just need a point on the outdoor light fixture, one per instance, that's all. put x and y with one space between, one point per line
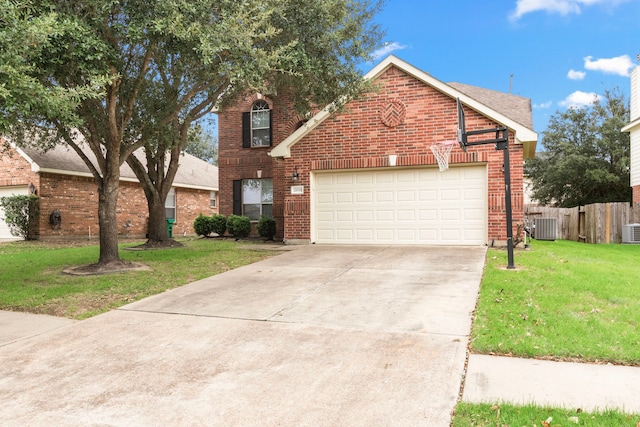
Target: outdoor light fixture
294 177
392 159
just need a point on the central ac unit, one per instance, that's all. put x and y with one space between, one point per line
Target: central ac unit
545 228
631 233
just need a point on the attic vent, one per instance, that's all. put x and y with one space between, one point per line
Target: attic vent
631 233
545 228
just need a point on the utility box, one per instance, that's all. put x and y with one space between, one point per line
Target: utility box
631 233
545 228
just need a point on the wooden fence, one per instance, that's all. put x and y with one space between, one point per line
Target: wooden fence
596 223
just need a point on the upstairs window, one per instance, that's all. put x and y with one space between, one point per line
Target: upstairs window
256 126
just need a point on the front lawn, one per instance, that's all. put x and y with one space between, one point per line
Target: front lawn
31 277
565 301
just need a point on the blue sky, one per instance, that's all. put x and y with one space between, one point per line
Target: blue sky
560 52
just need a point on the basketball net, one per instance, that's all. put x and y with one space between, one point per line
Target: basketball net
441 151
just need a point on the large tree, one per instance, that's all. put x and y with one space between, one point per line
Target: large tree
308 50
586 156
164 64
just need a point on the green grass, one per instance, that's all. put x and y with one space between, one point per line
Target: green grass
480 415
31 277
565 301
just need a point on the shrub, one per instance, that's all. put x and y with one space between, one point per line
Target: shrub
21 215
202 225
238 226
218 224
267 227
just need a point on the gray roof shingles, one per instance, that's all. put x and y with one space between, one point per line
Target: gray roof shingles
192 172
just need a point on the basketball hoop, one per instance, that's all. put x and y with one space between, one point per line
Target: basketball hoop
442 150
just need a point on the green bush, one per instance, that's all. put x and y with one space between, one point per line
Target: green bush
219 224
21 214
267 227
202 225
238 226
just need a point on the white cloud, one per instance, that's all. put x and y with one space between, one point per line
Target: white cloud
620 65
562 7
387 49
543 105
576 75
579 99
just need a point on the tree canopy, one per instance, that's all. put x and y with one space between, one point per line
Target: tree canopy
161 65
586 156
25 37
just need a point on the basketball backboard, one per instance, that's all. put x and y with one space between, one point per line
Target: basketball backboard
462 135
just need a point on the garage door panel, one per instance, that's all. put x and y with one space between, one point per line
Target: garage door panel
384 215
384 196
402 206
406 196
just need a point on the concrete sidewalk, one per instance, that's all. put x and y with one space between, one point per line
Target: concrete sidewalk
15 326
589 387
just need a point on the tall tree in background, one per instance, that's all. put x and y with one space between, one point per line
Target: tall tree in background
586 157
202 144
164 64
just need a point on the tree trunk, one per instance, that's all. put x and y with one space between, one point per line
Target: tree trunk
157 230
107 201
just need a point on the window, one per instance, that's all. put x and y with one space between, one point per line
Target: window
257 198
170 204
212 199
256 126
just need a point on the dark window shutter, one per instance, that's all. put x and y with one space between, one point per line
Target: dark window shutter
246 130
270 127
237 197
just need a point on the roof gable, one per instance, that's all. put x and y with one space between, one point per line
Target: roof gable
523 133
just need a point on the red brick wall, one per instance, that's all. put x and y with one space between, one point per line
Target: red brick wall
15 170
358 139
236 162
636 193
77 200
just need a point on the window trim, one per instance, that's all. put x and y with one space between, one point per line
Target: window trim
175 204
247 124
238 197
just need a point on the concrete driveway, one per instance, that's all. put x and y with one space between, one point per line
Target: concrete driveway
316 336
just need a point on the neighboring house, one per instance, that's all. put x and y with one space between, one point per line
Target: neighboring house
65 185
331 179
634 129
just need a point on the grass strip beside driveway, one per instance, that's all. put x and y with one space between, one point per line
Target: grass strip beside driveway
566 301
31 278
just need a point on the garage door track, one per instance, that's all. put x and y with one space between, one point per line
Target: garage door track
316 336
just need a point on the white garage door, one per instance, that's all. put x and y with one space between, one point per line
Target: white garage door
401 206
4 192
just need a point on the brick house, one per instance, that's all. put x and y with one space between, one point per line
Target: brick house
366 175
634 130
64 184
